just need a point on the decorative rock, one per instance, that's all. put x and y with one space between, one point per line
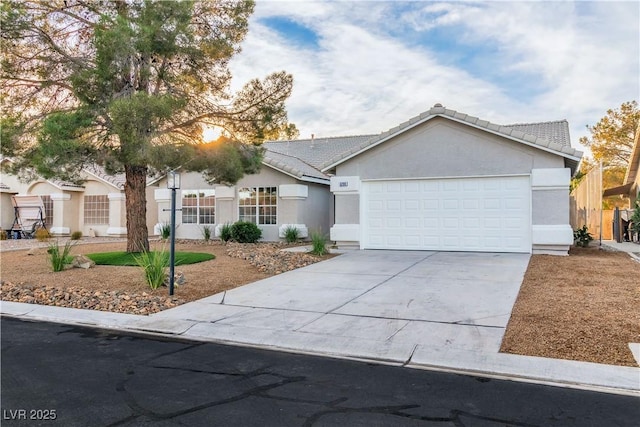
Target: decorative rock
33 251
81 261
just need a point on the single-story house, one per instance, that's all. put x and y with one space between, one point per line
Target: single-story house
97 207
289 191
445 180
631 186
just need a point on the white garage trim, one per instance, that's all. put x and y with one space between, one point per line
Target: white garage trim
483 214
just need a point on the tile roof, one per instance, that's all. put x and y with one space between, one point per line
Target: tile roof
317 152
118 180
558 133
292 165
60 184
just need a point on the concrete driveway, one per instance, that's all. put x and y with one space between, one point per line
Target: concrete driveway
390 305
428 310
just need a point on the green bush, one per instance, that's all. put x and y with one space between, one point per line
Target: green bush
58 257
165 231
318 243
582 237
155 266
225 232
76 235
206 233
291 234
245 232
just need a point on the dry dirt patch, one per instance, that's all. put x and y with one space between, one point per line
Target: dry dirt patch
582 307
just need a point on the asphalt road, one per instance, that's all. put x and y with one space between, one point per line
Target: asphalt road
57 375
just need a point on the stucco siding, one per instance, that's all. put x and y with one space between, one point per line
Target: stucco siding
441 148
317 209
347 209
6 211
313 211
550 207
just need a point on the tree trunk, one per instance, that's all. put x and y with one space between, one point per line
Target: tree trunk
136 205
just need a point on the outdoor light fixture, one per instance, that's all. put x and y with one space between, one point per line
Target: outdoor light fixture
173 183
173 180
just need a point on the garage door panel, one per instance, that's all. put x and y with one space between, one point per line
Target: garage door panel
474 214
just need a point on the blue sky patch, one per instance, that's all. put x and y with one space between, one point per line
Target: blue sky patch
293 31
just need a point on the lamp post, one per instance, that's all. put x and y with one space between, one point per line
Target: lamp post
173 183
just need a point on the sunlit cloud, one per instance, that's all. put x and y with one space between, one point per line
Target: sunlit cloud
363 67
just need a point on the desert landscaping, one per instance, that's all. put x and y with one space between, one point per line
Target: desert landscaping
585 306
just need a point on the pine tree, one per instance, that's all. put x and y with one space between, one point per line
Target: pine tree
130 85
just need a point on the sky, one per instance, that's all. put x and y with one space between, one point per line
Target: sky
362 67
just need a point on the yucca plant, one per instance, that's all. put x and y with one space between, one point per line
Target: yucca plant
318 243
225 232
165 231
154 264
206 233
59 257
291 234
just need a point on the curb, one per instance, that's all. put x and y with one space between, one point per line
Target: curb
143 325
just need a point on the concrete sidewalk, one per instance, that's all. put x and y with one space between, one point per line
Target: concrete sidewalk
430 310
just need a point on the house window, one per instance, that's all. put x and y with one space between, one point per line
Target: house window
199 206
48 210
258 205
96 210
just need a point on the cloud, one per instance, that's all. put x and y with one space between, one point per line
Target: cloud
375 64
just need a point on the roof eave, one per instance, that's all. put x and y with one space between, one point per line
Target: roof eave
99 178
569 156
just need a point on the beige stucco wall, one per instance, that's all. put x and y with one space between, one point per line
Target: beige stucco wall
6 210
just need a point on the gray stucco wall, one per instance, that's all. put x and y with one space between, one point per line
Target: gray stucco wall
317 208
312 211
347 208
441 148
550 207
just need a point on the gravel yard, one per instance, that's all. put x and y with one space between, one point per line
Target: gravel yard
26 275
583 307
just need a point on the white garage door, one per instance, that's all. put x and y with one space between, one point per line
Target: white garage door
461 214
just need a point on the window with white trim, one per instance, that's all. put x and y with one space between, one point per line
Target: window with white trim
96 210
258 205
48 210
199 206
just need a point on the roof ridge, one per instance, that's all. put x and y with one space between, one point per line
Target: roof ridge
321 138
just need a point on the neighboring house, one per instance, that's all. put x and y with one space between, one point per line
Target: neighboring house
97 207
631 186
448 181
